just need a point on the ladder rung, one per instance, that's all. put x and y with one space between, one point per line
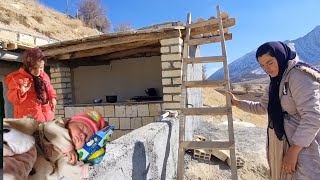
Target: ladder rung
204 83
207 145
208 40
209 59
206 111
204 23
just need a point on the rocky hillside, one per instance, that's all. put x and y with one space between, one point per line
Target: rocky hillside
246 68
28 16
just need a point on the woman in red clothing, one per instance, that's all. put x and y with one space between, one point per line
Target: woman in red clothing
30 90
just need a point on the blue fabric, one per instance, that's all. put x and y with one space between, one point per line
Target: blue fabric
283 54
93 151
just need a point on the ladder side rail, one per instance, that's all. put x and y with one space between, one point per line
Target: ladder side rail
228 99
183 102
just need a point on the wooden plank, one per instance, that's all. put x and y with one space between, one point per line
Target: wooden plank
12 46
212 22
209 59
208 145
200 41
205 83
106 50
211 28
183 102
80 46
206 111
105 59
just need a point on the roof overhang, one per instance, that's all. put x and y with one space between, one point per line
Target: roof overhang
121 45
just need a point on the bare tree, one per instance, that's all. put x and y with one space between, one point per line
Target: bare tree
246 87
122 27
204 72
232 86
92 13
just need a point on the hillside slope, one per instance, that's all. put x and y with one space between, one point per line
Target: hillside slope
28 16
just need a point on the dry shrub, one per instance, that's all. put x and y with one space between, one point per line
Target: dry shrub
48 34
74 23
5 19
23 20
39 19
122 27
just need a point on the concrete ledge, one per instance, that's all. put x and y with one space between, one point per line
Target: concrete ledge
149 152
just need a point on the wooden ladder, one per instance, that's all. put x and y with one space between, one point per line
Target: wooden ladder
185 110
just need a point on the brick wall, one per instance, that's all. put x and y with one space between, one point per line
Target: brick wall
171 72
61 82
125 117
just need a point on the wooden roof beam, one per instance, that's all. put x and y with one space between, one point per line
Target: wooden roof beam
52 51
107 50
105 59
212 28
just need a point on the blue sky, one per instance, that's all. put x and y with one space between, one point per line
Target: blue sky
256 21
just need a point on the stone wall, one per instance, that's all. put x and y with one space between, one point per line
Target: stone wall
23 38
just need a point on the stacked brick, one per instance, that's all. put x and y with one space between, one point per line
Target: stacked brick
171 54
201 153
61 82
223 155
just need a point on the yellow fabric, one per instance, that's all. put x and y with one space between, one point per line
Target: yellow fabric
276 152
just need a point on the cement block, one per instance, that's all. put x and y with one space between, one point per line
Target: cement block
115 122
154 109
202 154
120 111
100 109
136 123
109 111
171 57
8 35
169 90
69 112
143 110
171 41
164 49
147 120
125 123
176 49
131 111
166 81
171 73
25 38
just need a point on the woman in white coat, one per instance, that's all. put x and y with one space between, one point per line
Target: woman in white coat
293 107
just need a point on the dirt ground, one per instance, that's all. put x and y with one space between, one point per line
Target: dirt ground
213 98
250 136
30 17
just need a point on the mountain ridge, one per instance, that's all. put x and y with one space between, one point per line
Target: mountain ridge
246 67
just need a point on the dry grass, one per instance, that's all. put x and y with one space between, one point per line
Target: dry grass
214 98
28 16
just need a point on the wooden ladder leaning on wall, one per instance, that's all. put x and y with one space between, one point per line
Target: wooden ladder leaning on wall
200 111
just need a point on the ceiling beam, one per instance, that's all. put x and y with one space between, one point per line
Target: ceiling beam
105 59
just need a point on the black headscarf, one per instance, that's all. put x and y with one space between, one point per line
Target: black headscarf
283 54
